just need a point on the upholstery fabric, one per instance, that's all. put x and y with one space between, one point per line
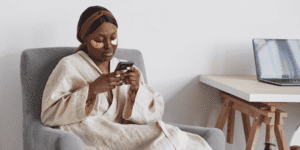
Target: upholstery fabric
36 66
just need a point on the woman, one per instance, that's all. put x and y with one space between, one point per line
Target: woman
107 109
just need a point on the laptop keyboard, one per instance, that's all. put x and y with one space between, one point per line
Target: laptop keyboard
284 80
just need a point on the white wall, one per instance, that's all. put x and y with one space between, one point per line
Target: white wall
179 40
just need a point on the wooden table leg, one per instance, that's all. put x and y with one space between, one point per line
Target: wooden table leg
254 133
266 112
230 126
269 134
247 125
224 114
280 137
279 130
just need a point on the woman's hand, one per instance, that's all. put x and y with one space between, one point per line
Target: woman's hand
106 82
132 78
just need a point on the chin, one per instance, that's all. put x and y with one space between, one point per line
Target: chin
107 58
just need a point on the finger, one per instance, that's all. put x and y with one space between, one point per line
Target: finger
113 74
133 69
125 81
133 78
131 82
134 83
112 87
130 74
130 69
118 72
116 83
113 79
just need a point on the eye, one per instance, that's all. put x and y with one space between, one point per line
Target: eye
97 44
99 39
114 41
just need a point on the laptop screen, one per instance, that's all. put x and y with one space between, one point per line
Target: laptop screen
277 58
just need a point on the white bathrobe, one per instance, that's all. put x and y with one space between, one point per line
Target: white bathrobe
64 101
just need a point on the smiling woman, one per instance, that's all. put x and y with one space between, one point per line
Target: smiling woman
107 109
97 31
101 43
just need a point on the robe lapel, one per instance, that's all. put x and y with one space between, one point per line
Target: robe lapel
89 60
113 64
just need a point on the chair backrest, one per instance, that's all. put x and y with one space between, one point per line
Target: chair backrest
37 65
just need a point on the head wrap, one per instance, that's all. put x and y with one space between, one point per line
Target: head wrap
82 31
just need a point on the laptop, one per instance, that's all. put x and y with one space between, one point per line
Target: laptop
277 61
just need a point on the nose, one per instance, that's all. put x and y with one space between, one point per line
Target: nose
107 44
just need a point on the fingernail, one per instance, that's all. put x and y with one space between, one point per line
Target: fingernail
118 75
128 68
125 70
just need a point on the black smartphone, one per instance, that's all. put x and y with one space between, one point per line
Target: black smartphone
123 65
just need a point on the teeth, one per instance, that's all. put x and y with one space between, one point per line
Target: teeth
109 53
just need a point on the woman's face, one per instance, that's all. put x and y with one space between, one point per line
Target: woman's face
103 43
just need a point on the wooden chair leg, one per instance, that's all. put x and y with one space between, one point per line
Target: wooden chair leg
270 134
230 126
224 114
247 125
254 133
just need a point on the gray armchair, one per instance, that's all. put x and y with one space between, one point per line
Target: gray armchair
36 66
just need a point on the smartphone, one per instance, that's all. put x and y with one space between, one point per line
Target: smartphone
123 65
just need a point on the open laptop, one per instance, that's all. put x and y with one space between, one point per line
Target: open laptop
277 61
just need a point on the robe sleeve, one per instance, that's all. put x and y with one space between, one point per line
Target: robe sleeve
65 95
148 106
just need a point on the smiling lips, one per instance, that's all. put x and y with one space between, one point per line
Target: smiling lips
109 53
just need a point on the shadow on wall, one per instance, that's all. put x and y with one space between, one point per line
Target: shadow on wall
192 104
11 102
232 59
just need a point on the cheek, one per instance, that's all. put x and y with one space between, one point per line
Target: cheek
97 44
114 42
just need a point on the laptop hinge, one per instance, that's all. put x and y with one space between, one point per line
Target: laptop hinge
285 76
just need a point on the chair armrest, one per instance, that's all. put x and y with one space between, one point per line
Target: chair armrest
47 138
213 136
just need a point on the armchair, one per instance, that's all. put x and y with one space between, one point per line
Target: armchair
36 66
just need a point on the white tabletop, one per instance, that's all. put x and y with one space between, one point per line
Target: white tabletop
249 88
